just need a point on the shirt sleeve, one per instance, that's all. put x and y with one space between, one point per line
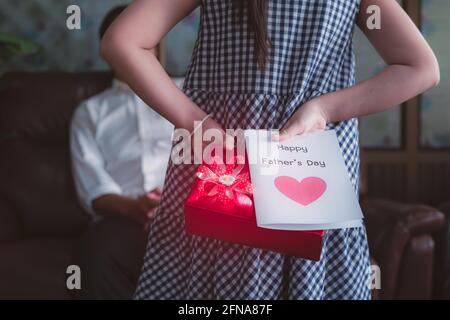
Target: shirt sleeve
88 165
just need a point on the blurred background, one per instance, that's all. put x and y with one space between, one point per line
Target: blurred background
46 70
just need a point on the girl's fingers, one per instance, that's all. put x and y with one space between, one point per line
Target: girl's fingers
291 130
284 135
316 130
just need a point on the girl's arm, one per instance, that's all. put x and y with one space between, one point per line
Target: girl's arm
412 69
128 46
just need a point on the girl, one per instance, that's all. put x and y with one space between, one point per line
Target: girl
264 64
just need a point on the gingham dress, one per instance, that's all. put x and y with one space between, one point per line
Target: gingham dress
311 54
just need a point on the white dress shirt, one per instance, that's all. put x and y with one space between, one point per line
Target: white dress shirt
119 145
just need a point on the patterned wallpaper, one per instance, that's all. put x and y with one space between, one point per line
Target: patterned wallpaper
435 111
381 129
44 21
179 44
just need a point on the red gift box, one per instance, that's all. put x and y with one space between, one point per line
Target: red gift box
220 206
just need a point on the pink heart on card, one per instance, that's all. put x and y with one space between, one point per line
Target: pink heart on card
304 192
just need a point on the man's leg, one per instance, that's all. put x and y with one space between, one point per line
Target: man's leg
110 255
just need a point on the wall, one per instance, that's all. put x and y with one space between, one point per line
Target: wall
44 21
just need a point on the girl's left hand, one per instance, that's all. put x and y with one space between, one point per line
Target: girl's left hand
310 117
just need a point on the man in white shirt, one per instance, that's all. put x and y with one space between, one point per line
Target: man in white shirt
120 149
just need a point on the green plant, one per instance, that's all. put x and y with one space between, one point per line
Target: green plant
12 46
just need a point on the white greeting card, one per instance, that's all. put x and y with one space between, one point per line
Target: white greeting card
301 183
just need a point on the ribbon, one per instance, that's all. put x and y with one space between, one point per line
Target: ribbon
227 179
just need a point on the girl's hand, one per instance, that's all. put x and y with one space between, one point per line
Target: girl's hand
226 142
310 117
211 136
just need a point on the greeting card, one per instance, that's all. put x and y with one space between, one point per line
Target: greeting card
301 183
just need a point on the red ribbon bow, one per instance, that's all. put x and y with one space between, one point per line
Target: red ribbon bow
226 185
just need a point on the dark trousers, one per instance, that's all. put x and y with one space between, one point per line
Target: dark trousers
110 255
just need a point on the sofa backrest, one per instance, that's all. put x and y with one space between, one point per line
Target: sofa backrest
37 193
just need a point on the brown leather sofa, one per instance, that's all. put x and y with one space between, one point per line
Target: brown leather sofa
442 271
39 213
40 218
403 240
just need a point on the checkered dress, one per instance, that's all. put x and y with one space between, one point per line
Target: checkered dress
311 54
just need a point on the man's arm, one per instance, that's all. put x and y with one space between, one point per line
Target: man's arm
139 209
97 190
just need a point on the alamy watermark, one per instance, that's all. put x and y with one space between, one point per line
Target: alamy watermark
73 281
374 20
73 21
374 277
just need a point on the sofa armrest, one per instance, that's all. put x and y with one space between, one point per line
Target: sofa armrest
442 265
418 219
390 228
10 227
415 279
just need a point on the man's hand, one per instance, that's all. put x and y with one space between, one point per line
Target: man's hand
140 209
147 205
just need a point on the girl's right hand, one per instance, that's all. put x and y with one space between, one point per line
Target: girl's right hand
310 117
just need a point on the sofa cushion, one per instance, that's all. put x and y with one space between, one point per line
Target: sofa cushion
37 183
35 268
40 105
35 170
10 227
